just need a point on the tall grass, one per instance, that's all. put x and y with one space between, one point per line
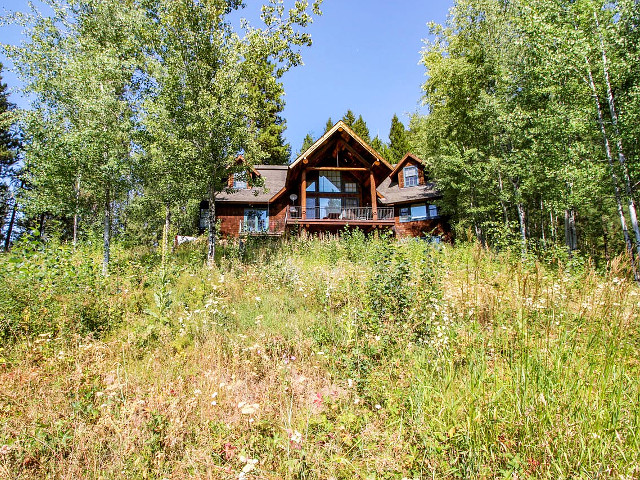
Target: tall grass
317 358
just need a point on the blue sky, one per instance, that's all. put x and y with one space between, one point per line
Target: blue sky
364 57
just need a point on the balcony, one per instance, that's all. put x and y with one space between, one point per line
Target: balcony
340 216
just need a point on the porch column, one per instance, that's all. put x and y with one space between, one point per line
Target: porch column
374 198
303 195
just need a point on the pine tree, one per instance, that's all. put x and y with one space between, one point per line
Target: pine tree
329 125
360 128
398 140
268 96
306 143
380 147
349 118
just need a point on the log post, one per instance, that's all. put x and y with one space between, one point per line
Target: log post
303 195
374 199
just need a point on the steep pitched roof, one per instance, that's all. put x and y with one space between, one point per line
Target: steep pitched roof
339 126
401 163
274 177
392 193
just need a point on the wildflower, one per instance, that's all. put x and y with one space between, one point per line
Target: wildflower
4 449
258 299
296 437
197 391
378 406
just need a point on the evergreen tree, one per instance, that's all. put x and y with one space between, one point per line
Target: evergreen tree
360 128
306 143
329 125
349 118
268 98
380 147
398 140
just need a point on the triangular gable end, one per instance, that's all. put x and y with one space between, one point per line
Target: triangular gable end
339 126
401 163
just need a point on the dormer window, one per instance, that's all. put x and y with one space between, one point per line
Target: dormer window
239 181
410 176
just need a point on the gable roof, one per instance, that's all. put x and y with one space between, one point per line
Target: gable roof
392 193
401 163
340 126
274 177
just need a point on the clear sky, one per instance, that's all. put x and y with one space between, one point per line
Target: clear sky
364 57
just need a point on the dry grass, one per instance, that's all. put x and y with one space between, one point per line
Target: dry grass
279 368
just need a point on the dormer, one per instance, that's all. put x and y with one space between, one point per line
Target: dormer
244 179
409 172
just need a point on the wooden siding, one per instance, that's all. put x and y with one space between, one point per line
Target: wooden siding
420 228
231 215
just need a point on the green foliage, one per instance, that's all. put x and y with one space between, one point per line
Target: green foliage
360 128
506 135
329 125
384 351
349 118
58 292
398 141
306 143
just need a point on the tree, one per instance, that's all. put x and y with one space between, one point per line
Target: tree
349 118
360 128
329 125
8 159
306 143
80 65
212 76
398 141
505 134
267 96
380 147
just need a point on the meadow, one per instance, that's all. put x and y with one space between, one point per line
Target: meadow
306 358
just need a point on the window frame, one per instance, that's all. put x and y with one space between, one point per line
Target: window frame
416 176
405 213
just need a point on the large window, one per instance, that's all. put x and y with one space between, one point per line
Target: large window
418 211
331 182
410 176
255 220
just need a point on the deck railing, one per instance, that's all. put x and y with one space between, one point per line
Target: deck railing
273 228
342 214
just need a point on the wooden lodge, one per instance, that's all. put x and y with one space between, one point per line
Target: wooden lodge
340 181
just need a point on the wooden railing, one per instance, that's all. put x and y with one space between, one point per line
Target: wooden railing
341 214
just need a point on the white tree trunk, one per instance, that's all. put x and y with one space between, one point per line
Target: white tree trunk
621 157
211 255
614 176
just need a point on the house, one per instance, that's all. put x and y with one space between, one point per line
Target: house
338 182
